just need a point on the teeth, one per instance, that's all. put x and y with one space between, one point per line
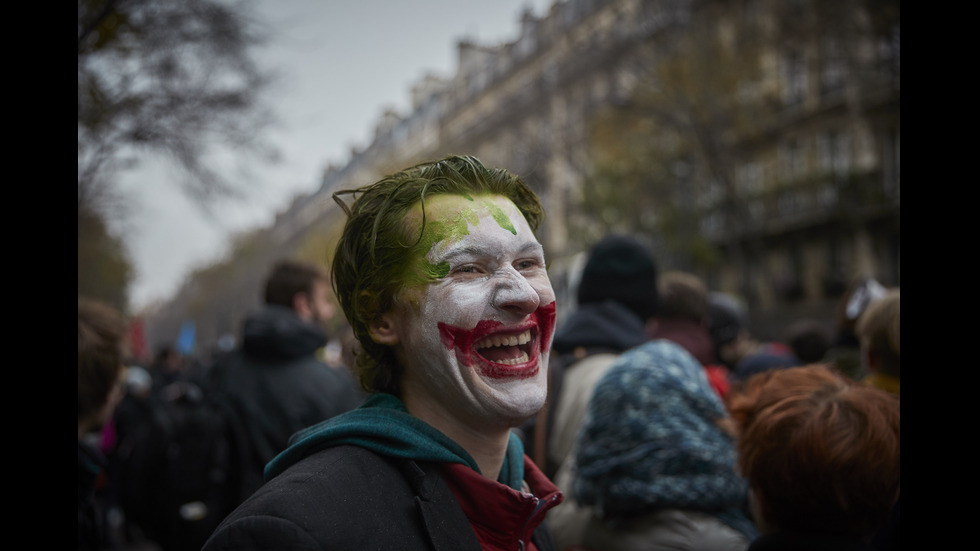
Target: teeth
505 340
523 358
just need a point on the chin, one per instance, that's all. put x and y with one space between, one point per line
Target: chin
517 400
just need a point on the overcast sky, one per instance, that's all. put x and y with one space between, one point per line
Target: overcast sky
341 63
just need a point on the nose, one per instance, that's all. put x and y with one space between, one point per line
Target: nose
514 293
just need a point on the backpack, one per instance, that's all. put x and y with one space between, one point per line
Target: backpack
185 476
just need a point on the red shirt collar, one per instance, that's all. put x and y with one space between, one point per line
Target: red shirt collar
501 516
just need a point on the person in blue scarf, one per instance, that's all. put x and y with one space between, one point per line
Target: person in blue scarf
654 464
445 286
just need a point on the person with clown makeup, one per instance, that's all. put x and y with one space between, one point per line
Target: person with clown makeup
445 285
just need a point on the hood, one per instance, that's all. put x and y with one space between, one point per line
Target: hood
651 440
608 325
277 332
384 426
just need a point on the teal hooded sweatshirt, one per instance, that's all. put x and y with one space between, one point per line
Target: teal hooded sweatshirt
383 425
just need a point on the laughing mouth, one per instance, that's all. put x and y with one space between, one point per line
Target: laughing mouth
505 349
500 352
497 352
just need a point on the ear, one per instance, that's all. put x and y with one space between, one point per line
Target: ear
384 330
301 305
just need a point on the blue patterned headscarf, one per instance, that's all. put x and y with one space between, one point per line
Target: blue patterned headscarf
650 440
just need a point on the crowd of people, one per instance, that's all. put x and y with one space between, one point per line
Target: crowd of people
466 417
250 398
654 391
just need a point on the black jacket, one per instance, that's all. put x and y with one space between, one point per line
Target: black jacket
91 463
349 497
788 541
277 386
606 326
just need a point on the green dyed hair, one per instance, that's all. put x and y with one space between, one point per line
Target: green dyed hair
373 258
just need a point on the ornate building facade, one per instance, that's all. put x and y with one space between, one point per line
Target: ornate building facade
796 199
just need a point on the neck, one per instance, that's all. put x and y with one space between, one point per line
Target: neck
488 447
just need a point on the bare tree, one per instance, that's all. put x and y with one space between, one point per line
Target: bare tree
172 77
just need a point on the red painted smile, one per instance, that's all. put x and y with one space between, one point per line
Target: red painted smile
503 352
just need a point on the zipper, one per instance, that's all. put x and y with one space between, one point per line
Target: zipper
538 505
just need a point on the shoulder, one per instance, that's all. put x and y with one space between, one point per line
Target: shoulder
328 479
706 531
326 390
578 385
665 529
261 532
586 372
348 496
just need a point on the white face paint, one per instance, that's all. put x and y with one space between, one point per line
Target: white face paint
475 341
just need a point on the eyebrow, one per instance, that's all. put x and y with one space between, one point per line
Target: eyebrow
477 250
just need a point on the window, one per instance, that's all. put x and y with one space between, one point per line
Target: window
791 160
890 53
833 150
749 178
794 78
832 68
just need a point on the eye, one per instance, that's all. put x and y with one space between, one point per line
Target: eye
467 270
527 264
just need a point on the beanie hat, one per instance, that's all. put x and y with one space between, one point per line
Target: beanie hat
621 269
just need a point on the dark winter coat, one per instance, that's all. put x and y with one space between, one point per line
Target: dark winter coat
600 327
91 464
348 497
788 541
277 386
373 478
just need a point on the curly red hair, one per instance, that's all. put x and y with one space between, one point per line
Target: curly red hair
820 451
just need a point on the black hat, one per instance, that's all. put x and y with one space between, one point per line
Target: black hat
727 318
620 268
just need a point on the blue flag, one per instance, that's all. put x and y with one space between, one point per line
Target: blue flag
185 342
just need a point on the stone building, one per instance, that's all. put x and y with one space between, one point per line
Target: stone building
797 190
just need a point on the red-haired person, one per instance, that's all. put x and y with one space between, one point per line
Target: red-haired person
822 457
